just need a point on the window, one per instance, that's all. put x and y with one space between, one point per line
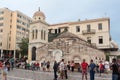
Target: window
9 45
0 43
1 30
100 26
1 12
1 18
100 39
9 38
33 34
1 24
50 30
44 35
41 34
77 28
55 31
10 26
89 39
88 28
59 30
36 33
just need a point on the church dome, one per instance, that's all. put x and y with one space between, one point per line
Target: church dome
39 13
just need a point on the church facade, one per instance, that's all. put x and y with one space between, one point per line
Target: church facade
66 46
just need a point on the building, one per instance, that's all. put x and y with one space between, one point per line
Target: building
14 25
70 47
38 35
67 45
95 31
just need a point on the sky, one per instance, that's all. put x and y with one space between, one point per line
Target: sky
58 11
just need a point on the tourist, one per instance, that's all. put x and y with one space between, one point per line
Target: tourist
92 68
114 68
48 65
44 66
84 67
119 69
72 66
65 67
7 63
37 65
4 72
101 68
62 68
55 68
12 63
1 64
68 65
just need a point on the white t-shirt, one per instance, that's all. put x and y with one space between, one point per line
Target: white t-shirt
62 66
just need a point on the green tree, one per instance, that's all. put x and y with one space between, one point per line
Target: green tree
23 45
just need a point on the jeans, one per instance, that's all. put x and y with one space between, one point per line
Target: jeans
114 77
55 74
92 75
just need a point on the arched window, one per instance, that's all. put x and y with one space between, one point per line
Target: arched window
33 53
44 35
33 34
36 34
41 34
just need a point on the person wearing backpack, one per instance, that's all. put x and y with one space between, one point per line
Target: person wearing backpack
92 68
114 67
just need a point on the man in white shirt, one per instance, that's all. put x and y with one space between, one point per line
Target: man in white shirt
62 68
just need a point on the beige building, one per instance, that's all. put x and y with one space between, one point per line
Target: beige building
95 31
14 25
70 47
67 45
38 35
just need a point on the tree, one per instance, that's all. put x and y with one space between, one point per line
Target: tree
23 45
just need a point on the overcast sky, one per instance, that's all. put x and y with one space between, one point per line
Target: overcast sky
58 11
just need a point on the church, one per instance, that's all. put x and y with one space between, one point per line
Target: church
66 45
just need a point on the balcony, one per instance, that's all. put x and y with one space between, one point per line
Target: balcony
91 31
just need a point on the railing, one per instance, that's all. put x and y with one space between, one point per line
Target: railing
91 31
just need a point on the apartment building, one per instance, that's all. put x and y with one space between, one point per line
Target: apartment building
95 31
14 25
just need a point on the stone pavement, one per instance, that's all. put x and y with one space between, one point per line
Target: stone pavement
19 74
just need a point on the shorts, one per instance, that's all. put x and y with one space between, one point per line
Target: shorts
84 72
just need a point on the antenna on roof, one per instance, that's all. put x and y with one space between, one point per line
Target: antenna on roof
105 14
39 9
78 19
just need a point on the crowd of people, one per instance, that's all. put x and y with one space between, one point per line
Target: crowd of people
62 68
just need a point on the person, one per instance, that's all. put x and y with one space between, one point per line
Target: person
72 66
101 68
1 64
12 63
55 68
7 63
84 67
119 69
61 67
92 68
114 68
4 72
68 65
65 67
48 65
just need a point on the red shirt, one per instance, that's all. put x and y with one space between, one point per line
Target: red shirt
101 66
0 65
84 65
